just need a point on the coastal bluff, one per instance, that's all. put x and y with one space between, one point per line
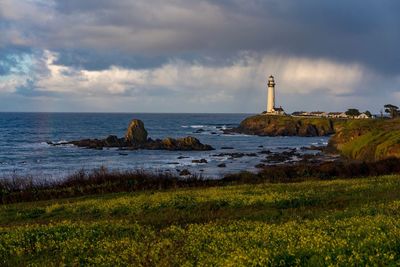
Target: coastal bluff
367 140
272 125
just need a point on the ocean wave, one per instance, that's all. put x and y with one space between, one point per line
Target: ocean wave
196 126
237 135
60 142
63 143
35 145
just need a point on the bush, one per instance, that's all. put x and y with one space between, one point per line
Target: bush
101 181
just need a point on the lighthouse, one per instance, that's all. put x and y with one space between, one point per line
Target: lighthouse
271 95
271 109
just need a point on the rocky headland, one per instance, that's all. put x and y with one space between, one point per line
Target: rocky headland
367 140
136 137
270 125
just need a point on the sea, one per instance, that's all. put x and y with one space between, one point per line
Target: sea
24 148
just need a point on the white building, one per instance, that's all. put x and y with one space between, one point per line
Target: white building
271 108
342 115
362 116
318 114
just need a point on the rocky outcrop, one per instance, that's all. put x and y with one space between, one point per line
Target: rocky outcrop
185 143
113 141
269 125
136 138
136 133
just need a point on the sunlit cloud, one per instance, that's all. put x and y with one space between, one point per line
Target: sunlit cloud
294 75
199 55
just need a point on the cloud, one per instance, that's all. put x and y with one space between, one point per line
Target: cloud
15 69
246 71
200 55
12 82
311 75
241 81
348 31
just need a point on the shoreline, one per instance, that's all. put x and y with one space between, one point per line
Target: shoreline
102 180
215 164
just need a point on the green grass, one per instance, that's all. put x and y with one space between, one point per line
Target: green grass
373 145
312 223
368 139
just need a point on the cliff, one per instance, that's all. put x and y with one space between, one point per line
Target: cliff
367 140
270 125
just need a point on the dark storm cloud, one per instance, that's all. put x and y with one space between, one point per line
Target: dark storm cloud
93 60
148 32
212 52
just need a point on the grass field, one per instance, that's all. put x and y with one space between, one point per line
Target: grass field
312 223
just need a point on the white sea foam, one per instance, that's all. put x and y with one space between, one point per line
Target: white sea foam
35 145
237 135
61 142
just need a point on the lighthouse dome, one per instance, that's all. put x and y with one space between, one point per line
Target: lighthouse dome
271 81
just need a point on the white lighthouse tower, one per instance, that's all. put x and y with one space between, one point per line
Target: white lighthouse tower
271 95
271 109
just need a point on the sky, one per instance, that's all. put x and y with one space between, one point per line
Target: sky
198 55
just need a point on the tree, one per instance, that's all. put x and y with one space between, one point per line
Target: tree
352 112
392 110
368 113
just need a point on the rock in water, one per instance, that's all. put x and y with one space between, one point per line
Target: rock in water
136 138
168 143
185 143
112 141
190 143
136 133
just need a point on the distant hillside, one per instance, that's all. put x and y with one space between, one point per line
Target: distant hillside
270 125
367 139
